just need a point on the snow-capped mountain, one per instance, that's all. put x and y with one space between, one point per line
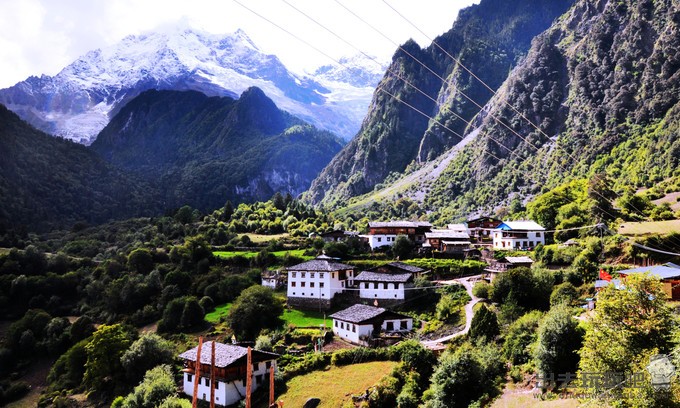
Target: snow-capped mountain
79 101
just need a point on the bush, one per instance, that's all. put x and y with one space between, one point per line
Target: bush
484 325
481 290
361 355
520 338
310 362
13 391
564 293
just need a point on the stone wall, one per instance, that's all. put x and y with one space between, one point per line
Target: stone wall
309 303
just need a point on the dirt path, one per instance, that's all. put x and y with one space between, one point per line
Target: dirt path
467 282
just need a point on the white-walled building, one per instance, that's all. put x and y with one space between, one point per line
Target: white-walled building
385 233
360 324
272 279
518 235
313 284
230 371
383 286
448 240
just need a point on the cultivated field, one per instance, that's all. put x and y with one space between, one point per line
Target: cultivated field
652 227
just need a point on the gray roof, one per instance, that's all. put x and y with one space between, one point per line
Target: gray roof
662 271
519 259
358 313
382 277
402 266
399 224
225 354
320 264
521 226
447 234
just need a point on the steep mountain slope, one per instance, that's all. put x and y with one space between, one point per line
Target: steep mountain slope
204 150
79 101
489 38
48 182
602 85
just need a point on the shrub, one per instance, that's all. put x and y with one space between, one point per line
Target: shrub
481 290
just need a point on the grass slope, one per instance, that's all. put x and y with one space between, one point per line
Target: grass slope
335 386
652 227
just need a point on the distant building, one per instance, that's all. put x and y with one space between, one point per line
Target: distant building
389 283
385 233
480 229
338 235
272 279
230 371
506 263
448 241
518 235
458 228
313 284
669 273
362 324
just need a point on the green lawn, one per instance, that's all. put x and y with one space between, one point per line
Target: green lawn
259 238
335 386
653 227
214 316
251 254
305 318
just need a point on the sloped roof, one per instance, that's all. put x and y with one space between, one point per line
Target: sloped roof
404 267
358 313
320 264
450 234
519 259
225 354
399 224
662 271
521 226
367 276
457 227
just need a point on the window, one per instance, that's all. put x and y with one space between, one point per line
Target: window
379 239
303 293
342 325
321 284
217 385
403 325
293 274
207 382
268 365
302 284
365 285
321 275
333 275
389 326
311 275
384 285
311 284
354 328
538 234
335 322
293 283
190 378
303 274
375 285
293 293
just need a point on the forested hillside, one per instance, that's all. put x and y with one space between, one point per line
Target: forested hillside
202 151
48 182
490 38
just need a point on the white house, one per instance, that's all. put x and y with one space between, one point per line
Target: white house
230 371
385 233
360 324
376 285
272 279
313 284
518 235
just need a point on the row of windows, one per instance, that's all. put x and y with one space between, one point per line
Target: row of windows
518 244
293 284
375 285
353 327
256 366
311 294
311 274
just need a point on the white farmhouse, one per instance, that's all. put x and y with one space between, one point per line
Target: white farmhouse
361 324
518 235
385 233
230 371
387 286
312 284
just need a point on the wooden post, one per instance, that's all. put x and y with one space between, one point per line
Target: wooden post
271 386
197 372
249 376
212 376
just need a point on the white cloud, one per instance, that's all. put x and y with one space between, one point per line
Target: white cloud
43 36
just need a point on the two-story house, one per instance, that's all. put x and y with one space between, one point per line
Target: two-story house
361 324
449 241
518 235
481 229
385 233
230 371
389 284
313 284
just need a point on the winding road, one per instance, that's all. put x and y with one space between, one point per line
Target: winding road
467 282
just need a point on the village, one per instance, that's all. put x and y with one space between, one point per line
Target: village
369 307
